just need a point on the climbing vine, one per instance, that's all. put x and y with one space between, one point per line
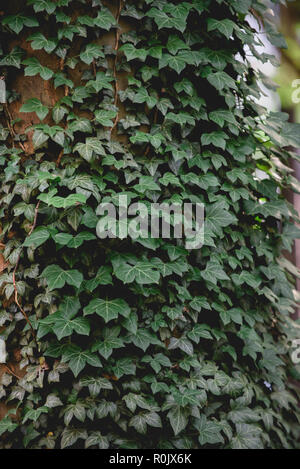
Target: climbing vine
141 343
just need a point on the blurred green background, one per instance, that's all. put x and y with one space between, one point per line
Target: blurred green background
290 60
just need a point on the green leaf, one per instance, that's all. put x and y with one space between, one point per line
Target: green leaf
178 419
39 138
177 63
218 139
199 302
106 346
97 439
91 52
209 431
107 309
104 19
103 277
124 366
34 414
102 81
175 44
132 52
56 277
95 385
77 359
221 80
214 272
35 68
13 59
71 435
60 202
7 425
247 437
226 26
105 117
64 326
177 19
35 105
79 239
43 5
142 272
91 146
17 22
39 41
37 238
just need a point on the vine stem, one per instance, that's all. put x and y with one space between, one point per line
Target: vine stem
10 371
117 43
15 271
11 127
59 158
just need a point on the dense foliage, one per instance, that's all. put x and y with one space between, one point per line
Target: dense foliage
124 343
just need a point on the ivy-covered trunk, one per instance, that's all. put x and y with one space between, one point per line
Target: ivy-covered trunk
138 341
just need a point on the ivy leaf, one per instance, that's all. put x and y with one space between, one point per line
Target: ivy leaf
39 41
17 22
178 419
214 272
184 344
97 439
177 62
199 302
34 414
104 19
142 272
43 5
96 384
35 105
104 117
77 359
71 435
107 309
139 423
13 59
34 68
175 44
91 52
221 116
105 347
101 82
78 240
163 20
132 52
103 277
39 138
64 326
217 218
81 326
226 26
7 425
62 202
91 146
58 113
218 139
53 401
124 366
220 80
247 437
131 323
37 238
57 277
209 431
81 125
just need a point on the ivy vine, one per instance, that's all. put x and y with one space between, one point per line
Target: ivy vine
122 343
